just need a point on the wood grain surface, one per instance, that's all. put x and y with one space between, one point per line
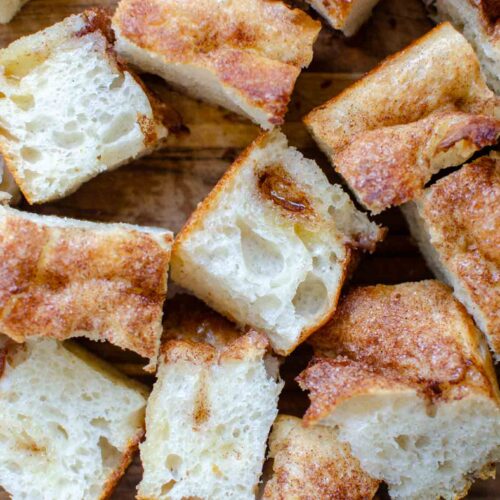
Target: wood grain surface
163 189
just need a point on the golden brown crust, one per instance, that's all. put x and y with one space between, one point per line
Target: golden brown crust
195 333
190 319
333 381
72 281
311 463
234 42
413 335
97 19
391 130
462 212
391 165
199 353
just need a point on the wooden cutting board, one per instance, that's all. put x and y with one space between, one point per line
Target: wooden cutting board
163 189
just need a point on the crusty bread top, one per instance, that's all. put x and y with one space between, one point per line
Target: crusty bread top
61 278
312 463
423 109
257 48
436 70
408 336
190 319
462 213
196 333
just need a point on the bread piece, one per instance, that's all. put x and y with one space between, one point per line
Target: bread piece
347 16
9 192
407 379
457 226
271 245
423 109
9 8
210 412
69 110
69 424
311 463
244 56
65 278
479 21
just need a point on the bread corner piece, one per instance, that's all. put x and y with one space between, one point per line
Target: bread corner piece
423 109
311 462
69 424
69 110
271 245
347 17
457 226
9 8
406 377
479 21
210 412
63 278
243 56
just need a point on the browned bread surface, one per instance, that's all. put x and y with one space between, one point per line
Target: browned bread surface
421 110
459 217
62 278
312 463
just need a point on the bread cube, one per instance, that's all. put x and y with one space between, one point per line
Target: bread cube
479 21
345 16
63 278
69 424
69 110
457 226
310 462
243 56
407 378
9 8
210 412
271 245
423 109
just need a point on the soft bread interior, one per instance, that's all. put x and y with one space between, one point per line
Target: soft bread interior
262 265
195 81
207 427
68 423
67 111
421 451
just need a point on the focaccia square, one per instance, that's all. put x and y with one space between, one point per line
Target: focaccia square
244 56
423 109
406 377
70 110
272 244
63 278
